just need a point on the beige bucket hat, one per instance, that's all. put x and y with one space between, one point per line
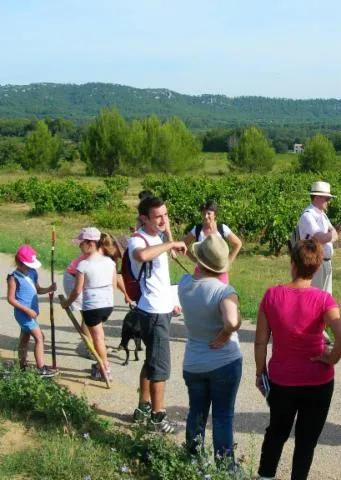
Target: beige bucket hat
212 253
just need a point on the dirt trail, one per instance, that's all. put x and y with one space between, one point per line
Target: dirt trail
118 403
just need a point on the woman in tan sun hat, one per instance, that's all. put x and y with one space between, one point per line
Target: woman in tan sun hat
212 364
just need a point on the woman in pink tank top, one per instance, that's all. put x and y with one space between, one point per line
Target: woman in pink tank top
300 370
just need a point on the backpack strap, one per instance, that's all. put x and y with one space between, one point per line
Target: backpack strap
220 229
146 268
198 229
306 210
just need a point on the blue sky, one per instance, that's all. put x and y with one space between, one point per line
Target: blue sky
246 47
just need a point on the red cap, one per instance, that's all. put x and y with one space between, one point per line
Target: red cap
28 256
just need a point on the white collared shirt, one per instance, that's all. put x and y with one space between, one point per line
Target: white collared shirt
314 220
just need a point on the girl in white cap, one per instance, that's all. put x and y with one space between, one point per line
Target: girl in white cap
96 279
22 293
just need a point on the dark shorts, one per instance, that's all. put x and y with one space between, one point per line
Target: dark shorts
155 336
97 315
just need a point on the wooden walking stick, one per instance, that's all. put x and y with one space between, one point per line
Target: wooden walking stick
51 295
86 339
181 265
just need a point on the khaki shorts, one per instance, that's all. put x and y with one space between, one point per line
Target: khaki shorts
323 278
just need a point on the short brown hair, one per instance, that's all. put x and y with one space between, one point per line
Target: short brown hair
148 203
307 255
209 205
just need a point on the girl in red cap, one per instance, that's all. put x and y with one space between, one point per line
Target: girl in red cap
22 294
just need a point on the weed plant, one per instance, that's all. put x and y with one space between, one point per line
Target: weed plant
74 442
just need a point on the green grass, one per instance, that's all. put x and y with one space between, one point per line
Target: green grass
20 227
64 457
215 163
61 446
285 162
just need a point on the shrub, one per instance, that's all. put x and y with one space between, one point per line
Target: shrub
262 208
64 195
118 219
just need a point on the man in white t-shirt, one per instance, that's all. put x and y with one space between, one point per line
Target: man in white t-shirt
153 309
315 224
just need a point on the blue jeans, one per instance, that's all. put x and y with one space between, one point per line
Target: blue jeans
218 387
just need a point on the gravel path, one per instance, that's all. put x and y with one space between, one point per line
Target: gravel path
118 403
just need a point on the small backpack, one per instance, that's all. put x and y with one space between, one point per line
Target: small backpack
132 284
198 229
294 238
295 235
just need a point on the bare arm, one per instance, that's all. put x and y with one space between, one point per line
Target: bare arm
323 237
189 239
169 236
148 253
11 289
43 290
229 308
262 338
114 279
120 286
332 355
335 235
76 291
330 236
236 245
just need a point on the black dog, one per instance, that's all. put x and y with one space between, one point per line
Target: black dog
131 331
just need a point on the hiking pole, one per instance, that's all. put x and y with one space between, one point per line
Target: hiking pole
181 265
51 295
86 339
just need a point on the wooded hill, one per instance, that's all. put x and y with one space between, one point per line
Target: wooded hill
81 102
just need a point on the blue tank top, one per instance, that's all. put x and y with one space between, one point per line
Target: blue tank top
26 292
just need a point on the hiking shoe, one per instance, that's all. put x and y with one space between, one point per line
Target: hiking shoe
46 372
159 422
142 412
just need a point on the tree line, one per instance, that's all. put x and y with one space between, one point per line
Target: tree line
282 138
109 144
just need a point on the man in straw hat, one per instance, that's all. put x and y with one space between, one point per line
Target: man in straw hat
315 224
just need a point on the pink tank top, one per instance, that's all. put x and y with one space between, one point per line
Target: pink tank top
295 317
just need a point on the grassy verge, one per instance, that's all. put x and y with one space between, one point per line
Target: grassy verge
68 439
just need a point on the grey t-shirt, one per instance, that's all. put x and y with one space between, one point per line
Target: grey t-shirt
98 289
200 301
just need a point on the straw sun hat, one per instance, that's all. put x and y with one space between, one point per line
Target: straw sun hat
321 189
212 253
